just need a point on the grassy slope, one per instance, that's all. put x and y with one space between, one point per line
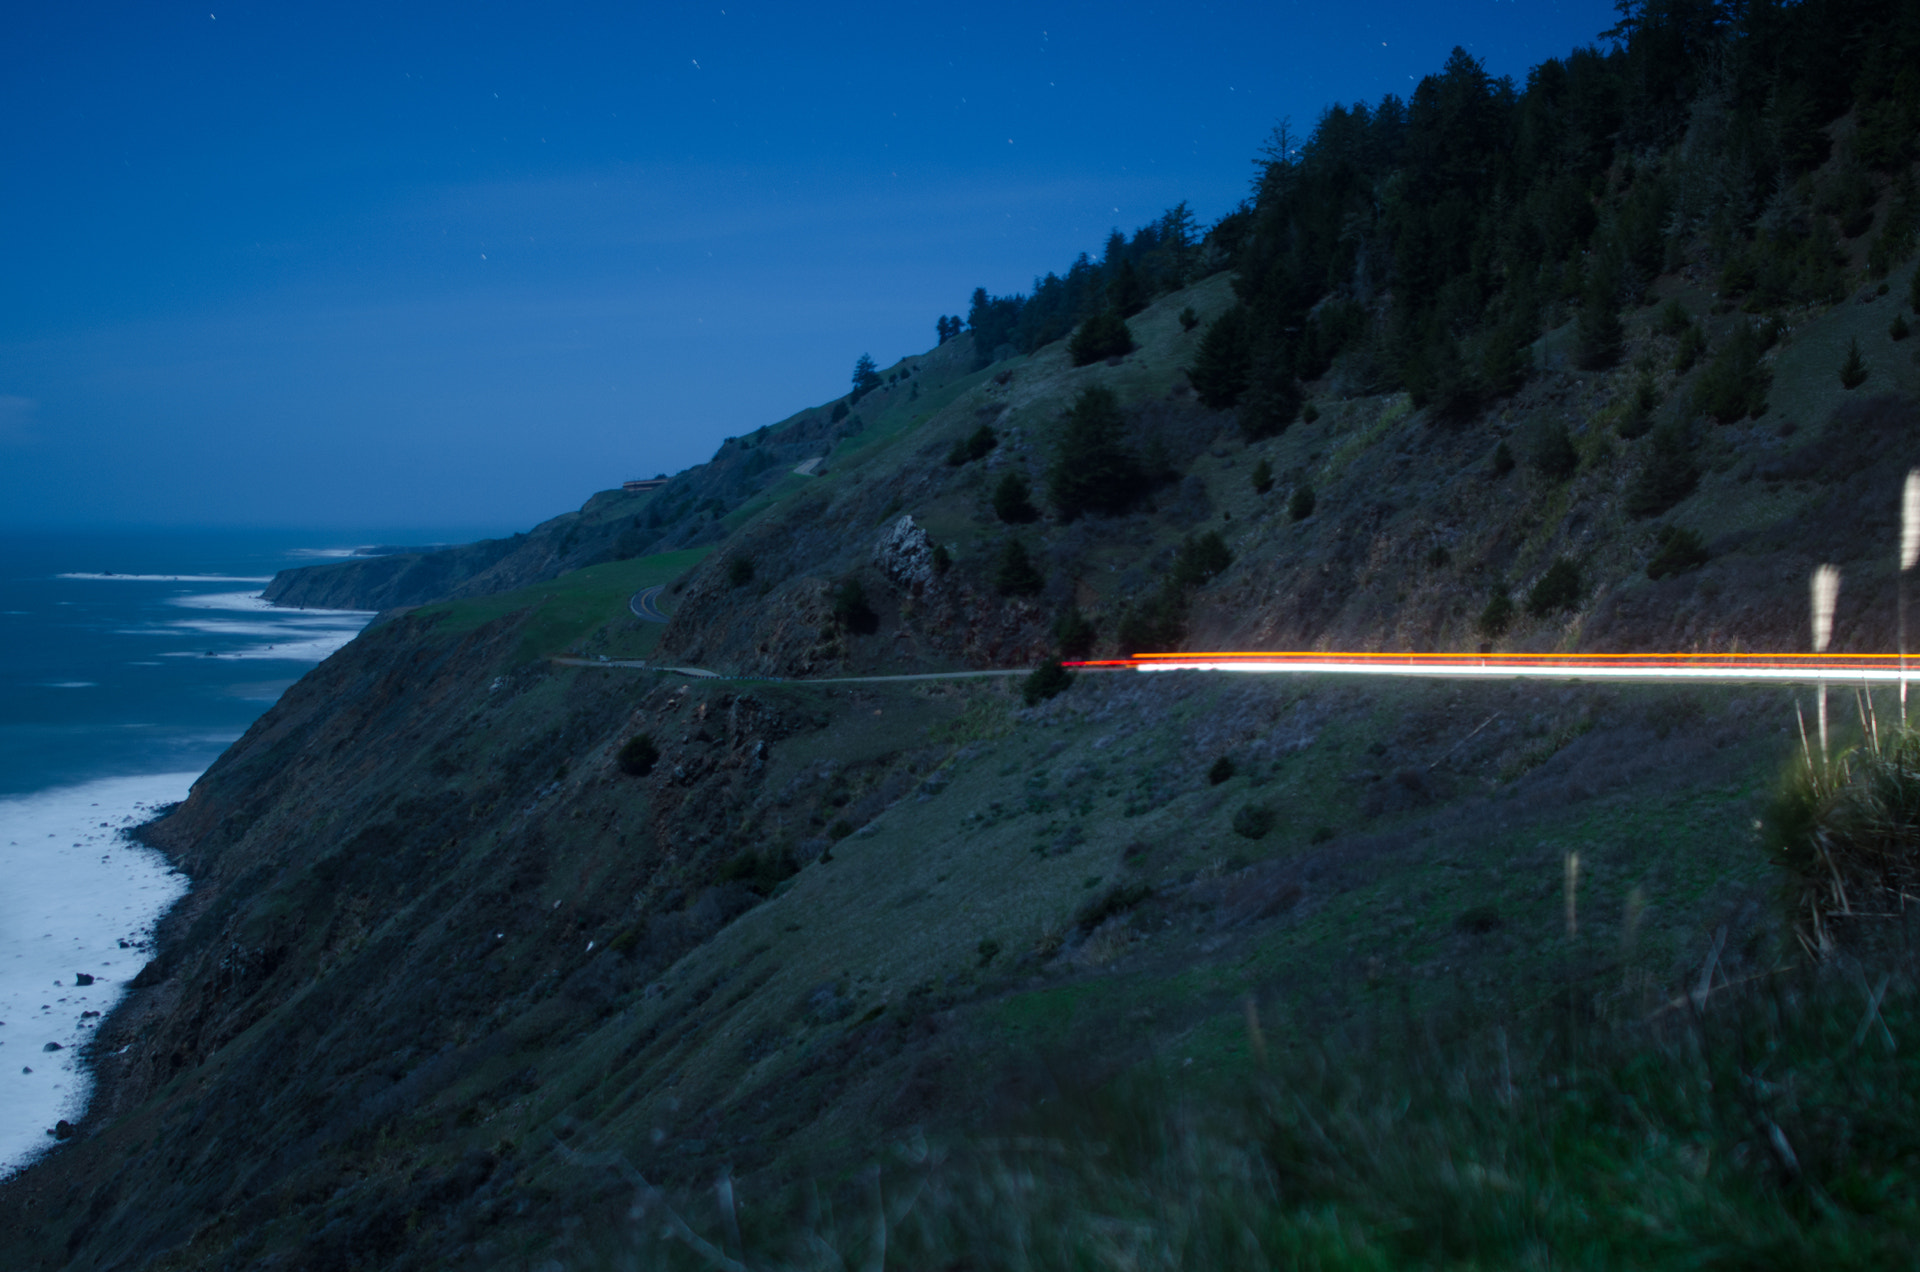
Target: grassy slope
565 609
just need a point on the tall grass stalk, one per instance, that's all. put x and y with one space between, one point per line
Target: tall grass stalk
1826 591
1909 556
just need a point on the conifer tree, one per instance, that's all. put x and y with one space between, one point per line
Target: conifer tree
1092 471
866 377
1853 372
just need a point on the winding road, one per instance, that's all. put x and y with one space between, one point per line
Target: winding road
645 604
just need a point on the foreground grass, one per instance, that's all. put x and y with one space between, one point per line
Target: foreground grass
1774 1123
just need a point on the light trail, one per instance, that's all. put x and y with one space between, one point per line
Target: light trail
1787 668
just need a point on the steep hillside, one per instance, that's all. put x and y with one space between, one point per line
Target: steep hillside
440 942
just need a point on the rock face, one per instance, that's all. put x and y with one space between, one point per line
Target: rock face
905 555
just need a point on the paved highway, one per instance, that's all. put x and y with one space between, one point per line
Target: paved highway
645 605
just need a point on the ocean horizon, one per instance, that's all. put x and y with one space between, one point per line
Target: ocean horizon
129 660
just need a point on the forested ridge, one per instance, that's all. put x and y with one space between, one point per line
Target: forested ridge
1425 244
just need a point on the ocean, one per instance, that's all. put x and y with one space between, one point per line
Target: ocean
128 662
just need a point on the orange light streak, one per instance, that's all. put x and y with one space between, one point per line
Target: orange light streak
1787 667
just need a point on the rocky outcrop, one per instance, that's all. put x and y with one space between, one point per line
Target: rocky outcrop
905 555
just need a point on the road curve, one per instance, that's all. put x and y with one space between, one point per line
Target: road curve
645 604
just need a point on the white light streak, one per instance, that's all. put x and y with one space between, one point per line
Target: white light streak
1555 671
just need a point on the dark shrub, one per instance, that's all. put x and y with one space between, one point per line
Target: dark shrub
1048 680
1899 330
1105 335
1669 476
975 446
1734 385
638 756
1693 343
1222 769
1674 319
1156 625
942 559
1557 589
740 571
1254 821
1016 574
840 410
1188 319
1074 633
1118 899
1201 559
1497 617
1013 500
1300 507
850 608
1262 477
1552 453
1680 550
1502 459
1309 413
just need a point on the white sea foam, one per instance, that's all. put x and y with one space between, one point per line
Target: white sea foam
292 635
174 578
329 553
79 897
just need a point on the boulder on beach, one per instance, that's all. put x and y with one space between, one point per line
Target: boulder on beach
53 1046
82 978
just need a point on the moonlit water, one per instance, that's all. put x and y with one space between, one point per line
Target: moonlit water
128 662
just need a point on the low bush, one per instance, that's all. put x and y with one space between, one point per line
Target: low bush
1680 550
1201 559
1223 769
975 446
1074 633
1848 831
851 610
1669 474
638 756
1734 385
740 571
1552 454
1255 821
1013 500
1016 575
1300 507
1557 590
1105 335
1048 680
1262 477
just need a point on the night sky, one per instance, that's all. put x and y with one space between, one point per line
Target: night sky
398 264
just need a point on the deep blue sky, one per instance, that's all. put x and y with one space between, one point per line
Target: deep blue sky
464 265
